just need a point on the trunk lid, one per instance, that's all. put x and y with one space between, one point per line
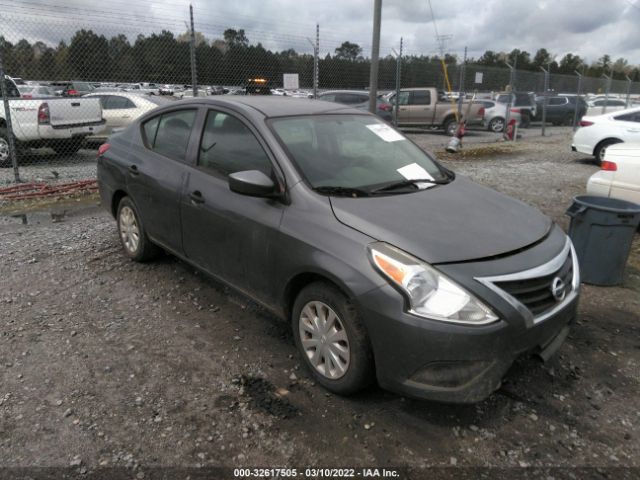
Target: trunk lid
70 112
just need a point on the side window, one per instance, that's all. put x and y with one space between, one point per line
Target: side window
168 134
598 103
421 97
557 101
114 102
403 99
150 127
228 146
629 117
330 97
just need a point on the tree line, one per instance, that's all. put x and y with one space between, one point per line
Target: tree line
165 58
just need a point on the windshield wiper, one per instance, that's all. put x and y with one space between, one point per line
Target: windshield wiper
342 191
407 183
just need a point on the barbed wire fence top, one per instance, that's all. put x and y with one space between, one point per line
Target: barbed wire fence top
77 76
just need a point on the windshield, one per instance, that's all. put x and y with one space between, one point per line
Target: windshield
353 151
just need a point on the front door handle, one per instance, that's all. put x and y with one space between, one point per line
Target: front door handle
133 170
196 197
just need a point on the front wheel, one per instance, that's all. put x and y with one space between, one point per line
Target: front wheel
331 339
134 239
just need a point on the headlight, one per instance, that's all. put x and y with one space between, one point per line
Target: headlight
430 293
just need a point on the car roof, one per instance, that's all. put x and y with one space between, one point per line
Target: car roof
361 92
276 106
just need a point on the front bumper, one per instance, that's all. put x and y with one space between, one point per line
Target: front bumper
455 363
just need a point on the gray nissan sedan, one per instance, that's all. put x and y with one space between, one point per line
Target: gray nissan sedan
388 265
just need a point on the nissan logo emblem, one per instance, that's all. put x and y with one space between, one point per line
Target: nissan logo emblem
558 289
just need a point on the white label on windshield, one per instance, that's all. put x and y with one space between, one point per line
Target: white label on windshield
385 132
413 171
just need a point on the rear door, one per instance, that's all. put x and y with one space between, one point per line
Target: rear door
628 126
118 111
231 235
421 107
556 108
157 173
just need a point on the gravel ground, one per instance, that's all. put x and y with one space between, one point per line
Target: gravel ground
109 363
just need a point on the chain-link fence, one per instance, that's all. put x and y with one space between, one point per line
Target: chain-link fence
73 80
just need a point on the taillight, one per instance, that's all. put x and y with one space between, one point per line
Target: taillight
585 123
43 114
103 149
481 112
72 92
385 107
609 166
516 110
27 95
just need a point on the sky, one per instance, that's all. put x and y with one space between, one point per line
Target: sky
589 28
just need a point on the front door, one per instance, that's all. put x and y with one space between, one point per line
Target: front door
231 235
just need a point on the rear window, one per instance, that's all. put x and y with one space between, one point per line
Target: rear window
169 134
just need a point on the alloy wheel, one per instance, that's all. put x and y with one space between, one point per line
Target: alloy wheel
324 340
129 230
4 150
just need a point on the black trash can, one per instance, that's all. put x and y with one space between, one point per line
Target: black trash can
602 230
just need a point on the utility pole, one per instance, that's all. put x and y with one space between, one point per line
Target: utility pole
194 75
545 99
575 111
461 83
316 53
398 74
375 53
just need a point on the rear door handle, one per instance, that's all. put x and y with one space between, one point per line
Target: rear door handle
133 170
196 197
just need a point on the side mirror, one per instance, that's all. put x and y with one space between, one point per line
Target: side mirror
253 183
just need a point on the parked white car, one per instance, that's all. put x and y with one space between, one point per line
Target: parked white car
612 105
620 174
495 114
597 133
119 109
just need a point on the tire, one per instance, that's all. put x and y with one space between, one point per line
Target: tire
600 149
5 158
525 122
68 147
354 368
133 237
568 120
449 126
496 125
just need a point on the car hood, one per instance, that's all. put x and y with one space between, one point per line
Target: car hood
456 222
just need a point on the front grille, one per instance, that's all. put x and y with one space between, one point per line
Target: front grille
535 293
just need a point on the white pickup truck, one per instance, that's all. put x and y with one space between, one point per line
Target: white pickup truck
58 123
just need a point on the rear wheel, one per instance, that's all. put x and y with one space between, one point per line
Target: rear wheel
5 158
450 126
331 339
601 149
496 124
568 119
133 236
